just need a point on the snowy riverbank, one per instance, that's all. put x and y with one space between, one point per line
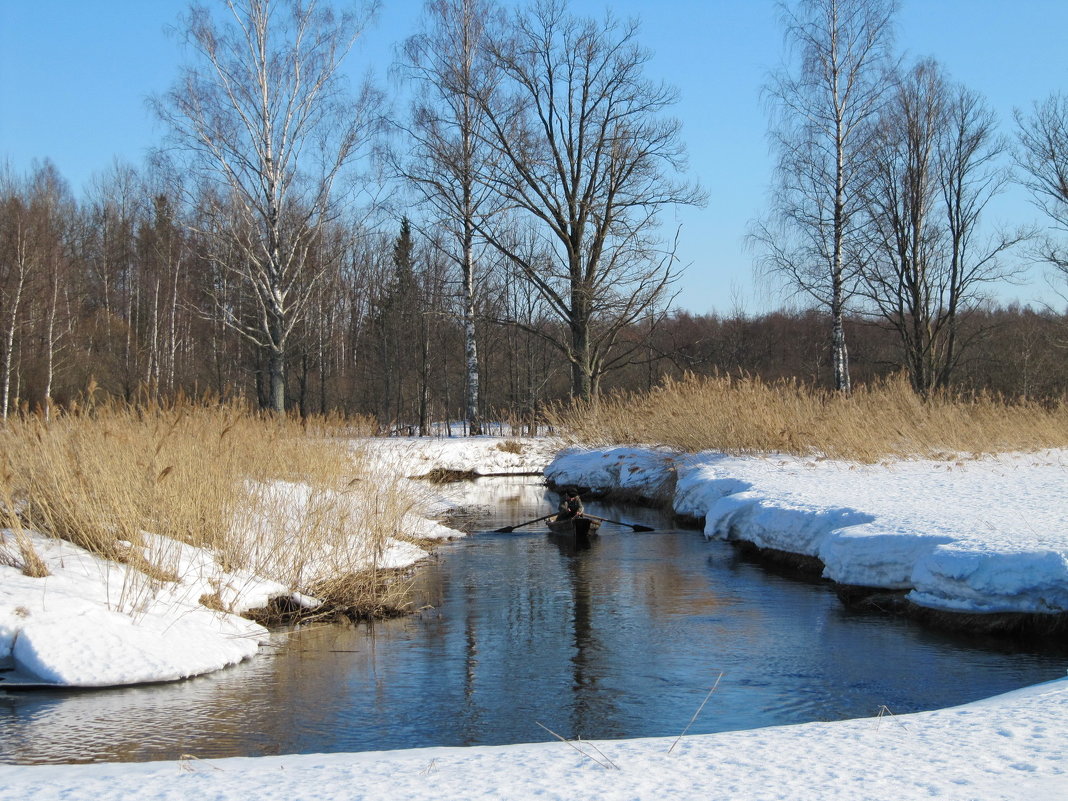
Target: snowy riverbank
985 535
1010 747
94 623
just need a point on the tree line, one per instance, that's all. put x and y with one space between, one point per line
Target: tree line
254 255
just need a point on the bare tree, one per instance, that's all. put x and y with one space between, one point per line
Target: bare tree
35 215
164 255
58 207
581 152
114 208
264 116
935 169
1043 155
19 254
447 62
970 175
824 122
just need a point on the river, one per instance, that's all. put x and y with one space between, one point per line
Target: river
522 637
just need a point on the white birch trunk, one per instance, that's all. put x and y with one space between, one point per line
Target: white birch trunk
16 300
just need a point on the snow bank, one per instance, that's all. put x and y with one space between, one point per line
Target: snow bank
639 472
93 623
410 458
483 456
975 535
1009 747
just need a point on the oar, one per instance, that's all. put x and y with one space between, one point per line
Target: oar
634 526
510 529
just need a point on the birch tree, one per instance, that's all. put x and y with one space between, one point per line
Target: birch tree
823 124
164 255
264 115
35 215
18 255
455 82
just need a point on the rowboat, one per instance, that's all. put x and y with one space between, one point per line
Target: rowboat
574 526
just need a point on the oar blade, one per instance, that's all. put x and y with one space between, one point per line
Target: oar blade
632 526
510 529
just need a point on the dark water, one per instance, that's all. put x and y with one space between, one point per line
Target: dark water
621 639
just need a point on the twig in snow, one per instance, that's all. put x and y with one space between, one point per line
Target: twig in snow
695 714
608 764
885 710
602 753
185 767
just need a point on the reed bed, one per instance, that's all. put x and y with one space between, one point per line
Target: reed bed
750 416
284 499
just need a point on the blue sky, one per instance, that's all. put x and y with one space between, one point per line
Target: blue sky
74 75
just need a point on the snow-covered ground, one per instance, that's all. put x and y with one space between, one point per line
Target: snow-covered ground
988 534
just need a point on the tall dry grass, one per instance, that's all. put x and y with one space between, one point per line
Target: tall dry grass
750 416
270 496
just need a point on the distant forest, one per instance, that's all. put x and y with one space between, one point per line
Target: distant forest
519 260
119 293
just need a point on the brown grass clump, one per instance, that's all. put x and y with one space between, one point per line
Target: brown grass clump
217 477
445 475
750 416
17 551
369 594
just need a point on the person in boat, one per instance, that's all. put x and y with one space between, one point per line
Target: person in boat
570 505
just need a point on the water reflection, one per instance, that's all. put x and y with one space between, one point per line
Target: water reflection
618 637
585 642
572 544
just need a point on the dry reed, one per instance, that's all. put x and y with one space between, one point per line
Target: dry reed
16 549
750 416
20 554
268 495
